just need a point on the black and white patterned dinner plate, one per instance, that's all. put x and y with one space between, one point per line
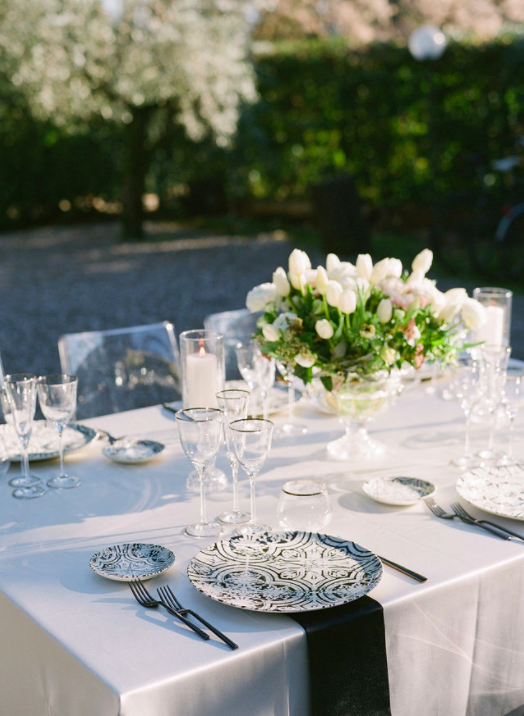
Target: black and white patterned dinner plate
498 490
43 444
132 451
400 491
124 562
285 571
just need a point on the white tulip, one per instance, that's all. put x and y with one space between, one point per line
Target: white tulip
322 279
295 280
270 332
343 270
473 313
281 282
436 300
395 268
422 261
332 261
448 312
364 266
384 310
312 277
306 361
261 296
348 301
298 262
416 277
333 293
324 328
380 271
456 295
363 287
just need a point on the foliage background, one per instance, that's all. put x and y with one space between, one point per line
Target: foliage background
323 109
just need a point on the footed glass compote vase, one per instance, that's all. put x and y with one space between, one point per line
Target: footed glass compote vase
357 399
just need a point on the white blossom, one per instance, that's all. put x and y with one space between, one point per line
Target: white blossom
324 328
281 282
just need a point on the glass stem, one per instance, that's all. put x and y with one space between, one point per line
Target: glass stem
60 429
263 394
201 475
25 458
252 497
510 438
234 476
491 441
290 401
467 448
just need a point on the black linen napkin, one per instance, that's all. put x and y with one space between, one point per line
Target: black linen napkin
347 659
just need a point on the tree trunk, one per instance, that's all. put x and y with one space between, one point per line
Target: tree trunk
136 159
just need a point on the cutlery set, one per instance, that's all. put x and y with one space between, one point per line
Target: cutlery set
171 604
459 513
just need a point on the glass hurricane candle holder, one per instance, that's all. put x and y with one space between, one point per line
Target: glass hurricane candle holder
497 302
203 367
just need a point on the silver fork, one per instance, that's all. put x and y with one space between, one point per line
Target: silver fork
167 596
439 512
461 512
145 599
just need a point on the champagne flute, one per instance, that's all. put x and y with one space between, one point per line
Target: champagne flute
233 404
257 369
21 396
513 401
251 438
467 388
57 397
494 362
290 427
200 430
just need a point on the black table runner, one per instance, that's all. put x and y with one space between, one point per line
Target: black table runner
347 659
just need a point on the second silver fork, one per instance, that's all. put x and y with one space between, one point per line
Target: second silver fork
442 514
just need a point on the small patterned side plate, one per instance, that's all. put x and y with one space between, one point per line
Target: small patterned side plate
132 451
398 490
123 562
285 572
498 490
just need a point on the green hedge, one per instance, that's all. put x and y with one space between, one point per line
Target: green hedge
323 109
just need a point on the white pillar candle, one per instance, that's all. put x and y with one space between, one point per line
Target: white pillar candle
202 380
492 332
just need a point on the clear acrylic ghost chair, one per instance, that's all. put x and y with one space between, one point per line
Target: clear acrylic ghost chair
123 368
236 327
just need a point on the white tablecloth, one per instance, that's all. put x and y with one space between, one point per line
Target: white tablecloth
75 644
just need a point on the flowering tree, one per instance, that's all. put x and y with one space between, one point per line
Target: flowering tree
363 21
124 59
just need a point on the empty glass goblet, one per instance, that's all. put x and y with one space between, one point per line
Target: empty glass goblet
494 362
257 369
200 430
290 427
251 439
467 388
304 505
57 397
233 404
21 396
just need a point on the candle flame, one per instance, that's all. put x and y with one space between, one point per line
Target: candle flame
201 351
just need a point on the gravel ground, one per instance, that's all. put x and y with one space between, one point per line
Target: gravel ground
59 280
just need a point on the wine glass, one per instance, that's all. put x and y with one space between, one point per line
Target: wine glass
467 388
251 439
513 401
57 397
21 396
200 430
494 361
257 369
233 404
290 427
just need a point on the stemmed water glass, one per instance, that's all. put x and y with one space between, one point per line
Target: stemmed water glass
290 427
467 388
200 430
233 404
251 439
513 401
494 362
257 369
21 396
57 397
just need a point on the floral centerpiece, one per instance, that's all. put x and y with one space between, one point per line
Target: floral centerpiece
350 324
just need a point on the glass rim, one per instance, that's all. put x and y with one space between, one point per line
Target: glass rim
20 377
221 393
495 291
266 424
199 334
321 488
182 414
57 379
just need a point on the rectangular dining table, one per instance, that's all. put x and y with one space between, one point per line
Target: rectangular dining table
76 644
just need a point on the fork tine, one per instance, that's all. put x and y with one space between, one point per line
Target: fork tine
166 597
173 597
459 510
144 591
136 593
